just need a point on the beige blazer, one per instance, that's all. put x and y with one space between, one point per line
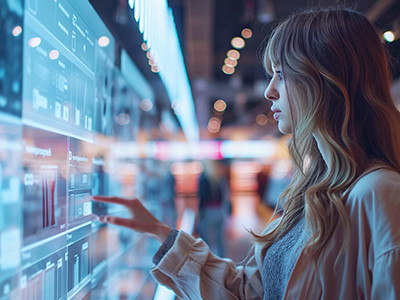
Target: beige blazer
369 268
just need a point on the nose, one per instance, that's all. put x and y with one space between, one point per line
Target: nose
271 93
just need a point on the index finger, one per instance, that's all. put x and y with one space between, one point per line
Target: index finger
115 200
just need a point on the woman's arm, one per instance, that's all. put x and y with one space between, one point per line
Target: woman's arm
189 268
386 276
193 272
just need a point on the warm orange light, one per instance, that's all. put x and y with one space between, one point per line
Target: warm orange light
233 54
152 55
230 62
228 69
152 62
262 119
144 47
238 43
247 33
220 105
214 125
155 69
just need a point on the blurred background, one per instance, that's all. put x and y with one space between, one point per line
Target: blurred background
209 29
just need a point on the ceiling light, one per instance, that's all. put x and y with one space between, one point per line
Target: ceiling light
247 33
152 62
389 36
233 54
214 125
54 54
16 30
230 62
144 47
103 41
34 42
228 69
238 42
220 105
155 69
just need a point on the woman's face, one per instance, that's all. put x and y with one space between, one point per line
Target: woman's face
276 92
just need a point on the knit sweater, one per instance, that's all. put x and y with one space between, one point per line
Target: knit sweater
280 259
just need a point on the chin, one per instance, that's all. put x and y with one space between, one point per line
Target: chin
284 128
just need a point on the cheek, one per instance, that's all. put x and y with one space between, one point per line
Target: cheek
288 119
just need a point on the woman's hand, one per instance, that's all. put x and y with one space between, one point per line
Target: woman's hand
142 220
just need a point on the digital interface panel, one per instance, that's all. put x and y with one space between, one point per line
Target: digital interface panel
10 203
67 75
58 89
44 158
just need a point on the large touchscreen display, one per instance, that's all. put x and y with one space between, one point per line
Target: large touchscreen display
57 85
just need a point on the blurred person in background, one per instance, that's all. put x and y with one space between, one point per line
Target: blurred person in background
338 236
211 213
167 197
263 177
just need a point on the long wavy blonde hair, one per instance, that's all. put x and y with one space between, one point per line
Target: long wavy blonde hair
336 71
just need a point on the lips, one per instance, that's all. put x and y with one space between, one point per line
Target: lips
276 112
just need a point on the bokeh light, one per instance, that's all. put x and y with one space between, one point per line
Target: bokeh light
103 41
261 119
233 54
146 105
123 119
230 62
54 54
238 42
247 33
17 30
34 42
228 69
144 47
389 36
220 105
214 125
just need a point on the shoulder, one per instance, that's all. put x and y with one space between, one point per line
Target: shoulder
382 185
376 196
374 204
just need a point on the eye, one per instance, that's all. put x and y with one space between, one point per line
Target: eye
279 73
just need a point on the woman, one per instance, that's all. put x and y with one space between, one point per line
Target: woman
339 235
